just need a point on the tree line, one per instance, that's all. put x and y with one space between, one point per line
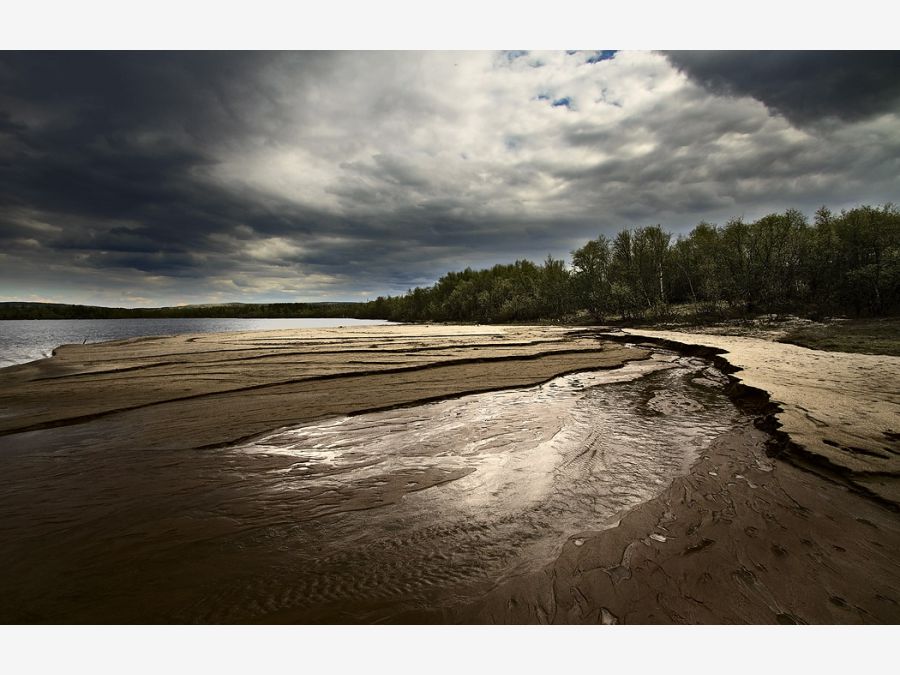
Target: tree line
841 263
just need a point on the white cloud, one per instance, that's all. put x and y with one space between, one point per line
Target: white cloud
387 131
475 136
273 249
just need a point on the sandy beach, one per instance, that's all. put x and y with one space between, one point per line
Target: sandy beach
128 503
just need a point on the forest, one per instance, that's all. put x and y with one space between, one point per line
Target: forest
845 263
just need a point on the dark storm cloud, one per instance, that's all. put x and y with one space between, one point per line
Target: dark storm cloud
110 92
116 135
804 86
110 148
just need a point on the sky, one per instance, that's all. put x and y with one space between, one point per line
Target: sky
164 178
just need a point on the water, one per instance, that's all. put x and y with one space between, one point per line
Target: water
22 341
359 518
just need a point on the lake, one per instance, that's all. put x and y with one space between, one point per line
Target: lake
22 341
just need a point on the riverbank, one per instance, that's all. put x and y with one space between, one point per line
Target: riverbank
864 336
128 499
31 340
128 503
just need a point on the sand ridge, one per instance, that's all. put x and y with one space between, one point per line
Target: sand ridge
213 389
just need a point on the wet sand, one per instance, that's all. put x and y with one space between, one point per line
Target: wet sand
742 539
148 481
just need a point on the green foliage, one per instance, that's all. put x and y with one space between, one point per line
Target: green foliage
518 292
843 263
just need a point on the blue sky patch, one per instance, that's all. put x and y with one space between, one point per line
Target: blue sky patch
565 101
602 55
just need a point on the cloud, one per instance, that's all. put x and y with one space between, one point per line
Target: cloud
804 86
308 176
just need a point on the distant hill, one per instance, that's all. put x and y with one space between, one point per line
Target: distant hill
281 310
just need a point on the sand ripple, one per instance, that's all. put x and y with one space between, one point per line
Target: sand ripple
429 505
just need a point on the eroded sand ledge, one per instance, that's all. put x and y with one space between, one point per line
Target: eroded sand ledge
840 410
